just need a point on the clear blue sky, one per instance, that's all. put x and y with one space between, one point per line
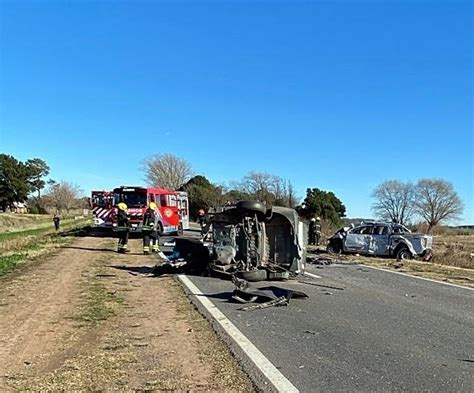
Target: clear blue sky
339 95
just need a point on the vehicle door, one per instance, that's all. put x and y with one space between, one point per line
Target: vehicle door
380 240
358 239
183 209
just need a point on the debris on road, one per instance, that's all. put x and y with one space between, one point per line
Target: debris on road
316 260
321 285
268 296
281 301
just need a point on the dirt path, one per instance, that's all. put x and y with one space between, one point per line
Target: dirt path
89 318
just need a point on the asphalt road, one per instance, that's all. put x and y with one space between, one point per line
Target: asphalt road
382 332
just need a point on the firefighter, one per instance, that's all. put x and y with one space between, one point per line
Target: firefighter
318 230
123 227
203 221
150 229
314 232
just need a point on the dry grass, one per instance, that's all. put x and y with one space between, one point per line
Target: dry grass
19 248
454 250
15 222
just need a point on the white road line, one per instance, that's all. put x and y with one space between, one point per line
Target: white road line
421 278
306 273
276 378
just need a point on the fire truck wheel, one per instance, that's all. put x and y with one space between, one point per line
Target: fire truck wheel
253 206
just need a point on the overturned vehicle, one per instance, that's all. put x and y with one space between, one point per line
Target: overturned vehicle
248 241
381 239
256 243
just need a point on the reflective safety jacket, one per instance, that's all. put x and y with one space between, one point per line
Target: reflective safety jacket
122 220
150 220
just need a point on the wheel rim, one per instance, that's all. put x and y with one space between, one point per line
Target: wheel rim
405 254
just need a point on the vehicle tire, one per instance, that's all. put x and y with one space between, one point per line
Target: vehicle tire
278 276
403 253
252 275
253 206
334 247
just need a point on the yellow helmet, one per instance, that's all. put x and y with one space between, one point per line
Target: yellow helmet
152 206
318 219
122 206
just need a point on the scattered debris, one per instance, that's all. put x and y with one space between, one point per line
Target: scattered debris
269 296
397 264
316 260
321 285
281 301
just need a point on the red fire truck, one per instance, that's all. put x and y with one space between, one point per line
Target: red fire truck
102 205
137 199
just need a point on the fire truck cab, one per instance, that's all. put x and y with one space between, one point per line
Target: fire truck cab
137 200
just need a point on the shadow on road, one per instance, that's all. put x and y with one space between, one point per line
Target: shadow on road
220 296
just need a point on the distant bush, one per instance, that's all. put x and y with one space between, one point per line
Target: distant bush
36 209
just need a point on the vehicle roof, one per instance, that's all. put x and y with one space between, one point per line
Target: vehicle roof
390 224
156 190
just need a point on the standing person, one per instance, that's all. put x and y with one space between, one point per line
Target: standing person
203 221
317 228
57 220
123 227
312 232
150 229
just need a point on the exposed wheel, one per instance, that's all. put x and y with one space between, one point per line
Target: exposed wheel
334 247
253 206
252 275
403 254
278 275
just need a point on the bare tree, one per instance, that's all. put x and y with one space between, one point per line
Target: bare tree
394 201
265 187
291 195
437 201
261 186
63 195
167 171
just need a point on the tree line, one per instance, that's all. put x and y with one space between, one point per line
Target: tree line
432 200
24 182
170 171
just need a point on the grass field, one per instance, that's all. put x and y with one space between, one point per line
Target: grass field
15 222
36 239
454 250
